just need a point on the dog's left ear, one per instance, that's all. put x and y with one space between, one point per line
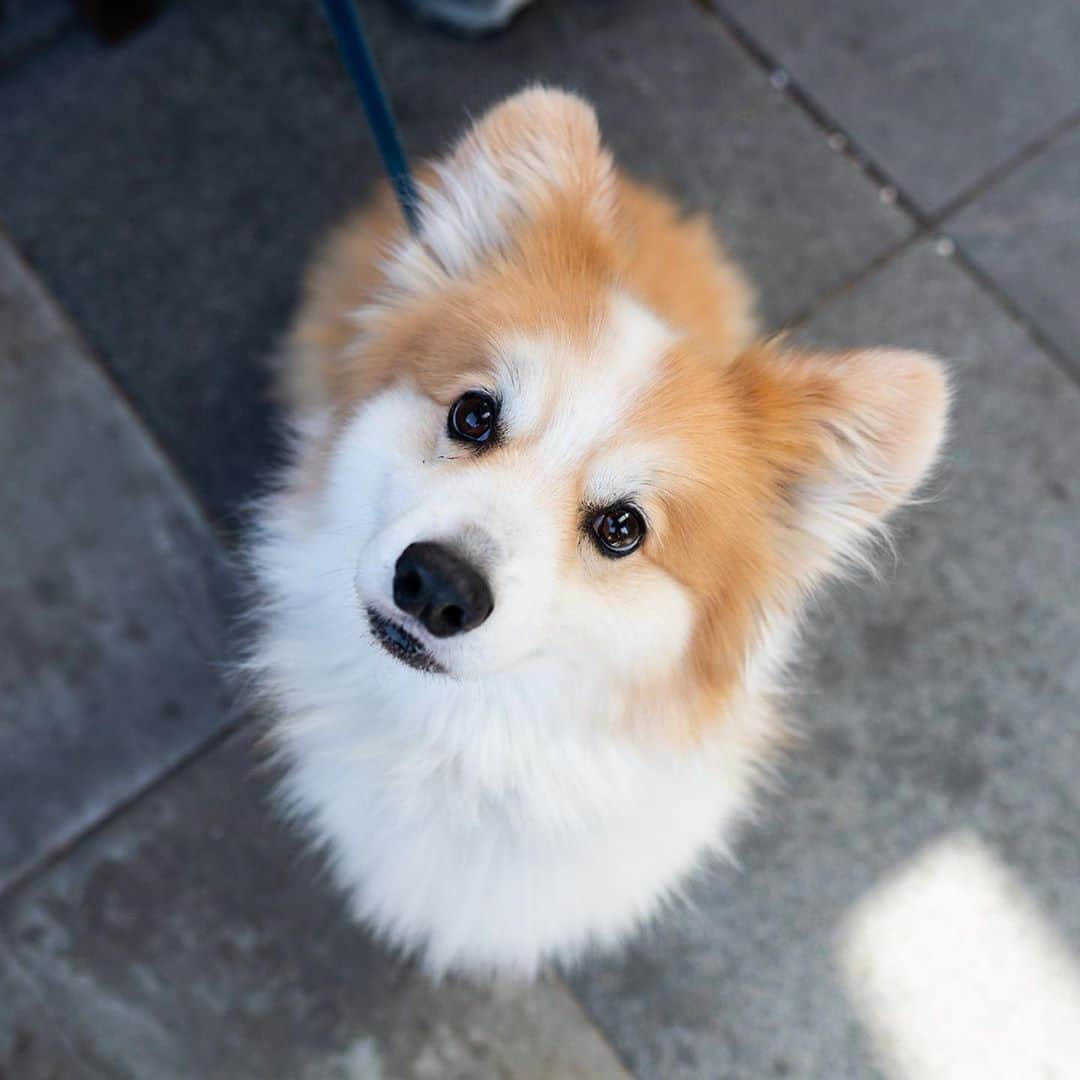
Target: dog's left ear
850 436
534 149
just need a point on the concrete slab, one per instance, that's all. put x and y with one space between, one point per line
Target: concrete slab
171 188
110 591
26 25
939 94
29 1047
194 937
941 701
1025 233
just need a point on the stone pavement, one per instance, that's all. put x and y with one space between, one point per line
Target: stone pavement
891 172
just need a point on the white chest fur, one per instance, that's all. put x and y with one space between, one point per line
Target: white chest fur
494 823
500 837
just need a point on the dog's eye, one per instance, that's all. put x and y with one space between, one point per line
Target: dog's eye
619 530
472 417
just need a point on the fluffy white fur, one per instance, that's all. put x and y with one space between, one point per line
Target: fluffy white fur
502 817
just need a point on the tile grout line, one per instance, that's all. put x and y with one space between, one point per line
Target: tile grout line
91 355
45 862
1068 366
877 173
199 511
594 1022
841 142
855 279
1012 164
925 224
982 276
781 80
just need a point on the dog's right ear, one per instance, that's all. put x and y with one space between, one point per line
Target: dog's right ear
849 435
524 155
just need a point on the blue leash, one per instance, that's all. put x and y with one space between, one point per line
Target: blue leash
358 61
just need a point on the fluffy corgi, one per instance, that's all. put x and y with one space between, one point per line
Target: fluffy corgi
530 581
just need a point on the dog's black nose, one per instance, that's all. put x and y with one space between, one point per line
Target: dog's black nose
441 588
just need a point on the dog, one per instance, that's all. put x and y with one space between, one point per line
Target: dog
533 573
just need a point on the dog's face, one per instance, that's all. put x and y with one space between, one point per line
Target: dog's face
532 459
525 476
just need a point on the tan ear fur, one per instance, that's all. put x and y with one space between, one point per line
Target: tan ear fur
538 147
547 140
851 436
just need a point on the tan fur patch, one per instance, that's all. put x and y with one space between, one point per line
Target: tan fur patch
751 426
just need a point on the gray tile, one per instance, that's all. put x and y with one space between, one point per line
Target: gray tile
937 93
193 937
29 1046
26 25
171 188
1025 233
942 699
110 591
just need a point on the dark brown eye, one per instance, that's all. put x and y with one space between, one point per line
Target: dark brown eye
472 417
619 530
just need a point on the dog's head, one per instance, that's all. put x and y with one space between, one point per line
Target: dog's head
545 446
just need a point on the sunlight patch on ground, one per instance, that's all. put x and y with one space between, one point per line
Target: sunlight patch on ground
957 974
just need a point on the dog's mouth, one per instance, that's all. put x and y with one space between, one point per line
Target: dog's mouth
401 645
